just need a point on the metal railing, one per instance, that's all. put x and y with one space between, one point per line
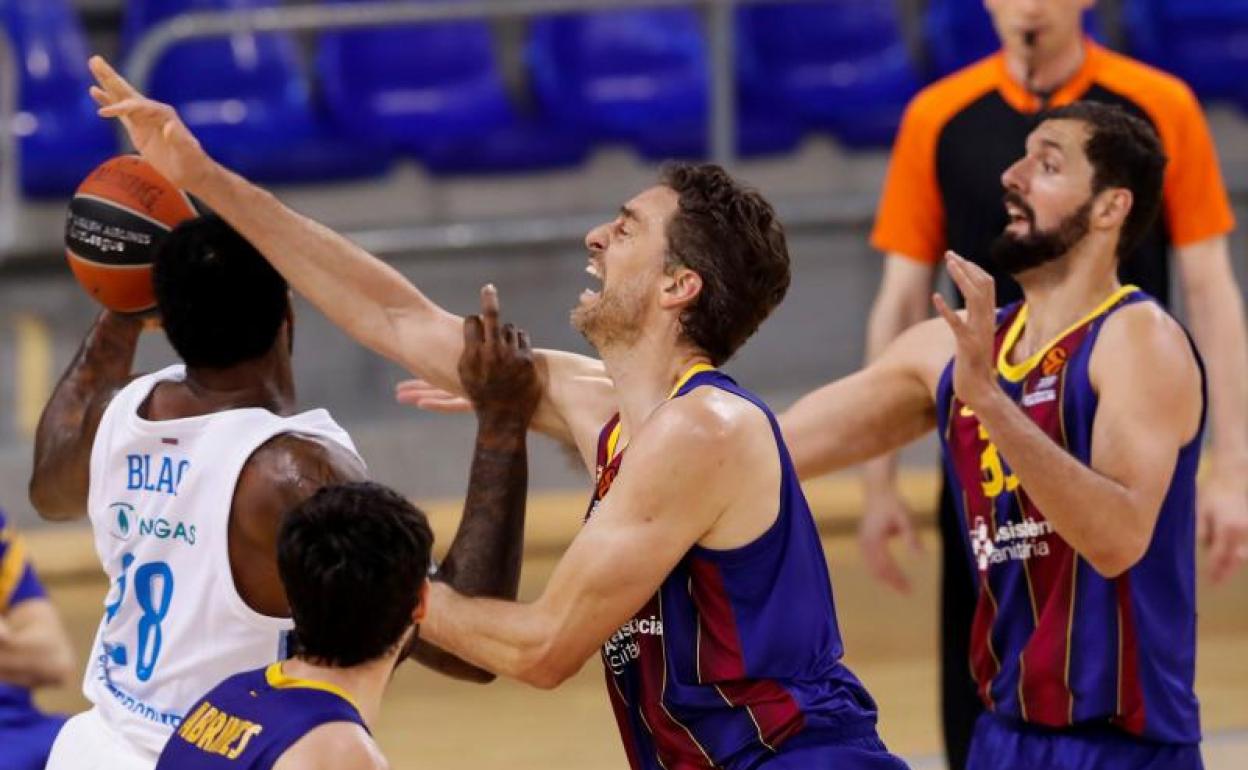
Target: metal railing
310 18
722 123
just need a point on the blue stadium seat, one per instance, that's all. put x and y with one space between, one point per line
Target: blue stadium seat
642 77
842 65
61 139
959 32
252 107
436 90
1204 42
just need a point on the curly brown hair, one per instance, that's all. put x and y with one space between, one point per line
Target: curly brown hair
730 236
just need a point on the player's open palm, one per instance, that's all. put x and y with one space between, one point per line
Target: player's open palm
496 367
155 129
974 372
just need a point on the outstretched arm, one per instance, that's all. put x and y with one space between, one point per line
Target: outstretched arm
1150 406
364 296
876 410
60 477
637 534
484 559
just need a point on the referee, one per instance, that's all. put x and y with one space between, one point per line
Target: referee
943 191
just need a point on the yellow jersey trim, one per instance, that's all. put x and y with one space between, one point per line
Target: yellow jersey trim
1016 372
613 440
12 567
280 680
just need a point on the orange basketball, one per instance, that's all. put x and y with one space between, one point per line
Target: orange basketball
117 218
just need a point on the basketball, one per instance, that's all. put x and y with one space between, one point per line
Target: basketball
117 218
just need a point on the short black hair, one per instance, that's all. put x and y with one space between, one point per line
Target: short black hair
220 302
1124 151
352 558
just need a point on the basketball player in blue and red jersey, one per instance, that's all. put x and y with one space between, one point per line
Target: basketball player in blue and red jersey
353 560
1071 424
699 573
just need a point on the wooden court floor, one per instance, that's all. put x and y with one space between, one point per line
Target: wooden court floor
432 722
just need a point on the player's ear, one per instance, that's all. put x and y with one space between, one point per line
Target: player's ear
422 602
1114 206
680 287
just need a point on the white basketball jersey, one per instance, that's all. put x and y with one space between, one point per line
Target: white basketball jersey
159 503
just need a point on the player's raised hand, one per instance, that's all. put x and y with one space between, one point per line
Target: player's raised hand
155 129
974 372
496 367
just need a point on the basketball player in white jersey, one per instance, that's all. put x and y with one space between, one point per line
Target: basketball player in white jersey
186 473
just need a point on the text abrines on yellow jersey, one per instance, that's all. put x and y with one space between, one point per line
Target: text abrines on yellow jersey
217 732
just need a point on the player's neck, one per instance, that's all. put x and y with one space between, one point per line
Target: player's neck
1044 74
1060 293
265 383
365 683
645 373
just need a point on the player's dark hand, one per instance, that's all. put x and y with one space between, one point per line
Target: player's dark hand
496 367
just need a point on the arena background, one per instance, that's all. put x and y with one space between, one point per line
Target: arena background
827 193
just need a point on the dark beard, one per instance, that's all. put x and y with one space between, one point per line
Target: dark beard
1014 254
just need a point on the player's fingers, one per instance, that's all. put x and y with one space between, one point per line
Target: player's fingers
508 336
873 543
490 310
1204 525
947 313
108 78
905 527
101 97
474 331
522 340
887 571
1228 551
449 405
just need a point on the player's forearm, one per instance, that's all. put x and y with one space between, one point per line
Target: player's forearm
484 559
1216 316
850 421
362 295
1105 522
102 365
507 638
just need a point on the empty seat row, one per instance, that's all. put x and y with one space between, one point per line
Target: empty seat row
438 91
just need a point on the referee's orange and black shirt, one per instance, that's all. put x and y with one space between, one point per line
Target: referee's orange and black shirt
943 189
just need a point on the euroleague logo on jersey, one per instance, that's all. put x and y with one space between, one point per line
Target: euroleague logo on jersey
1053 361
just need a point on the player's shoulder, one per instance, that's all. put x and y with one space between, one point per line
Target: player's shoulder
331 746
1143 334
939 102
711 420
1162 95
297 457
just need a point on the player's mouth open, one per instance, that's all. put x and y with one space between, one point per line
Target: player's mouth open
596 271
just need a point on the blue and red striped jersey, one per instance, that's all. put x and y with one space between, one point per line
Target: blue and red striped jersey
738 655
1054 643
249 720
